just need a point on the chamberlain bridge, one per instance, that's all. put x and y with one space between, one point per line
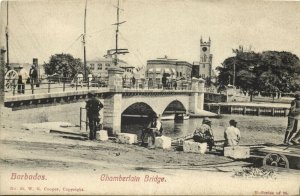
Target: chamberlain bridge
120 101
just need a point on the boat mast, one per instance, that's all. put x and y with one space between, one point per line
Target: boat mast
83 41
6 33
117 32
117 49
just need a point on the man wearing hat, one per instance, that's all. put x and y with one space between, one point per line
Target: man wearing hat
23 76
292 134
232 134
154 129
204 133
33 75
93 106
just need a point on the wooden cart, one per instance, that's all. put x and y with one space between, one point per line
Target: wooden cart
282 156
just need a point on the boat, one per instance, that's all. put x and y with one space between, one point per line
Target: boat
186 116
135 115
182 117
168 117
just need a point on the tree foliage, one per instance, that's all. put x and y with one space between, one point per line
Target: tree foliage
64 65
269 71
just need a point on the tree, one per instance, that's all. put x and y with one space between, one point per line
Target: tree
65 65
269 71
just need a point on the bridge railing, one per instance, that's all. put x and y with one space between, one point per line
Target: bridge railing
51 84
62 84
130 83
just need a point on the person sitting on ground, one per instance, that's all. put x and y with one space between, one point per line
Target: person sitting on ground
292 134
232 134
154 129
204 133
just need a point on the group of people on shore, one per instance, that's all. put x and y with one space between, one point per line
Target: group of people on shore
204 133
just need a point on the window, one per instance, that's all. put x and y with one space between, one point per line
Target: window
180 74
107 65
99 66
92 66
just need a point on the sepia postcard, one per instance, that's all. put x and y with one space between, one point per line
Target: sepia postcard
161 97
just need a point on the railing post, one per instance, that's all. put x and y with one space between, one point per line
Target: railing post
88 83
273 111
14 87
64 85
86 121
76 84
48 87
80 118
244 110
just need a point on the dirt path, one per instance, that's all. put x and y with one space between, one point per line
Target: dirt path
87 167
29 149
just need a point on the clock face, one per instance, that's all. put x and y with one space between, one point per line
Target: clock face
204 49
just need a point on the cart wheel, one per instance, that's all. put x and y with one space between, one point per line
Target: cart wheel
276 160
11 78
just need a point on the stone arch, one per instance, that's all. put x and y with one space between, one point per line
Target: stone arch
138 108
175 106
157 105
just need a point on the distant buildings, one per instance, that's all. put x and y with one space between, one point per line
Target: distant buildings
172 67
99 67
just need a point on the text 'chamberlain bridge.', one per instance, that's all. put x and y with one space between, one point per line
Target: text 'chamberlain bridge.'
118 101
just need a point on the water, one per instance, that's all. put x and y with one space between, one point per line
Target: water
171 128
254 129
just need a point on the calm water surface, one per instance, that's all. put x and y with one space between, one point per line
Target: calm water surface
171 128
254 129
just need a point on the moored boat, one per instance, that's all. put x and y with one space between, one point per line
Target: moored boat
168 117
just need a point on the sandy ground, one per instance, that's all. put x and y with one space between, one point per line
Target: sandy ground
81 164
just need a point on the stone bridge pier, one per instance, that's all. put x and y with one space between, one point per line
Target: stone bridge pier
119 99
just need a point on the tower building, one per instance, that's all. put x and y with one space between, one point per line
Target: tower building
203 68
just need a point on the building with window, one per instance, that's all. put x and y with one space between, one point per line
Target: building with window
99 67
171 67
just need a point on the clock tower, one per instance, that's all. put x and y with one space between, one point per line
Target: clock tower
203 68
204 51
205 64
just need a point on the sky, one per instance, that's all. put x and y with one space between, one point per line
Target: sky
153 29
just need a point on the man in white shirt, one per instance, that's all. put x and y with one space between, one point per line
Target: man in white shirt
23 76
80 79
232 134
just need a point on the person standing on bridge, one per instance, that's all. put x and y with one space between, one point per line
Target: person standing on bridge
33 74
93 107
133 81
80 79
23 76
